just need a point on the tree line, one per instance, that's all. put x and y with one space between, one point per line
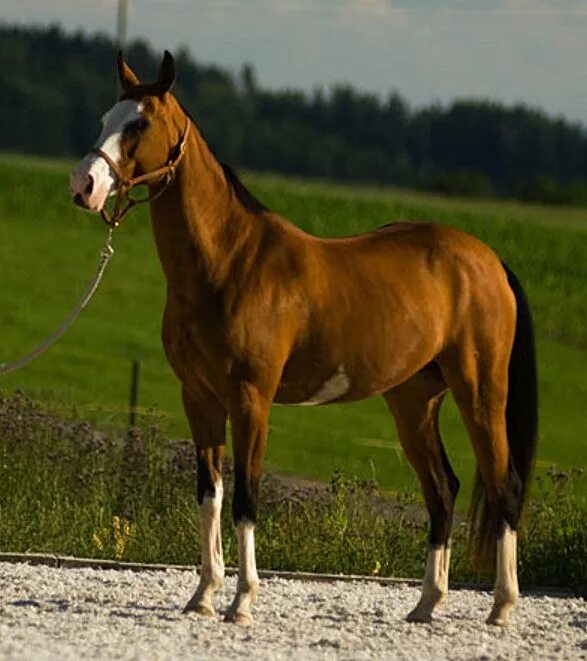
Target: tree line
54 87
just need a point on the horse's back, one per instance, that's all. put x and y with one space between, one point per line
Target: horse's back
412 260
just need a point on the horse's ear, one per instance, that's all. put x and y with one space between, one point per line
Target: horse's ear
126 75
166 76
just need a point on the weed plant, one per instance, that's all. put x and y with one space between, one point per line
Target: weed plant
68 488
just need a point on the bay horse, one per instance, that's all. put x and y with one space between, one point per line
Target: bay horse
259 312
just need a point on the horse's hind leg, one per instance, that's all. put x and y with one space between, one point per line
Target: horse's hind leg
249 414
478 378
415 406
207 420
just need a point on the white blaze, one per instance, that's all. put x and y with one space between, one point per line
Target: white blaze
104 179
113 124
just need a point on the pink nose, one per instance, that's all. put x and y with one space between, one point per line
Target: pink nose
81 187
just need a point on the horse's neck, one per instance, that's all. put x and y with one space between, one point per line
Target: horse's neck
200 228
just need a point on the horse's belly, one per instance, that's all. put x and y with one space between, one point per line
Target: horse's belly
302 385
318 388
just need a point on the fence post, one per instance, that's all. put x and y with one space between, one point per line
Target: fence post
135 384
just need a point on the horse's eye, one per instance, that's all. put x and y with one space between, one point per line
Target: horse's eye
138 125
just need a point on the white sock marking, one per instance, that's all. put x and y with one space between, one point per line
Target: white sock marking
212 573
248 579
434 585
247 566
506 580
437 566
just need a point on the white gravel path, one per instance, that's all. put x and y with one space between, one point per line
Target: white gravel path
48 613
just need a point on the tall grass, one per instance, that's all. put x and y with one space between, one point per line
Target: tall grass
49 249
67 488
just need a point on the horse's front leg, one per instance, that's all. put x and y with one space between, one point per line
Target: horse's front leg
208 423
249 412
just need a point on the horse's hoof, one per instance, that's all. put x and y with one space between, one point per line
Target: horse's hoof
498 619
419 615
500 614
243 619
205 610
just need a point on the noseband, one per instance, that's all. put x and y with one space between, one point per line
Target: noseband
125 185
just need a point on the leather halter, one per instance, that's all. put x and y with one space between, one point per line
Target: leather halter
125 184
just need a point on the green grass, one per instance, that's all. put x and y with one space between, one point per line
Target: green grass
49 250
68 488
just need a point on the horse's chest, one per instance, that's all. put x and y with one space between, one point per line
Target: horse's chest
189 346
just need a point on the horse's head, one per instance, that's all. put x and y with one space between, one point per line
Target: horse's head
139 134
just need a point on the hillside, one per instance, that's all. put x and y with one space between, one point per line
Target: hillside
48 251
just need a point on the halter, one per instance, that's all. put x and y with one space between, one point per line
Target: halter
125 184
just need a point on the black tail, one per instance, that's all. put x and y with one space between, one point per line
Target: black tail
522 433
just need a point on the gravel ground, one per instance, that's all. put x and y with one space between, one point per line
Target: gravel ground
48 613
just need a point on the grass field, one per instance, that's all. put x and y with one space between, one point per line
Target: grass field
48 252
69 488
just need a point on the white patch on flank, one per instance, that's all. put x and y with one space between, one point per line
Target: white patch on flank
333 388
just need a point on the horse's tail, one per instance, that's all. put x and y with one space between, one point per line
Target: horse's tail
522 434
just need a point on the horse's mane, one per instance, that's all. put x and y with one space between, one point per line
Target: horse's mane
242 193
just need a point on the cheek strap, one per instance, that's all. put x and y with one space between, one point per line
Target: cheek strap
125 184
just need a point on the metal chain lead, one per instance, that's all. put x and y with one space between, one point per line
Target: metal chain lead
167 171
105 256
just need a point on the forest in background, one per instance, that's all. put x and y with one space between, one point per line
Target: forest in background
55 86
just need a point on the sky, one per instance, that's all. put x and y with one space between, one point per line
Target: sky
530 51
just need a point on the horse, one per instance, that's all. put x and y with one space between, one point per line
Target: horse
259 312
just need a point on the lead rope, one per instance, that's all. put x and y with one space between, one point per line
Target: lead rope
105 255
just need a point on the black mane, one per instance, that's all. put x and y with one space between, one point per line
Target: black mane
243 195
